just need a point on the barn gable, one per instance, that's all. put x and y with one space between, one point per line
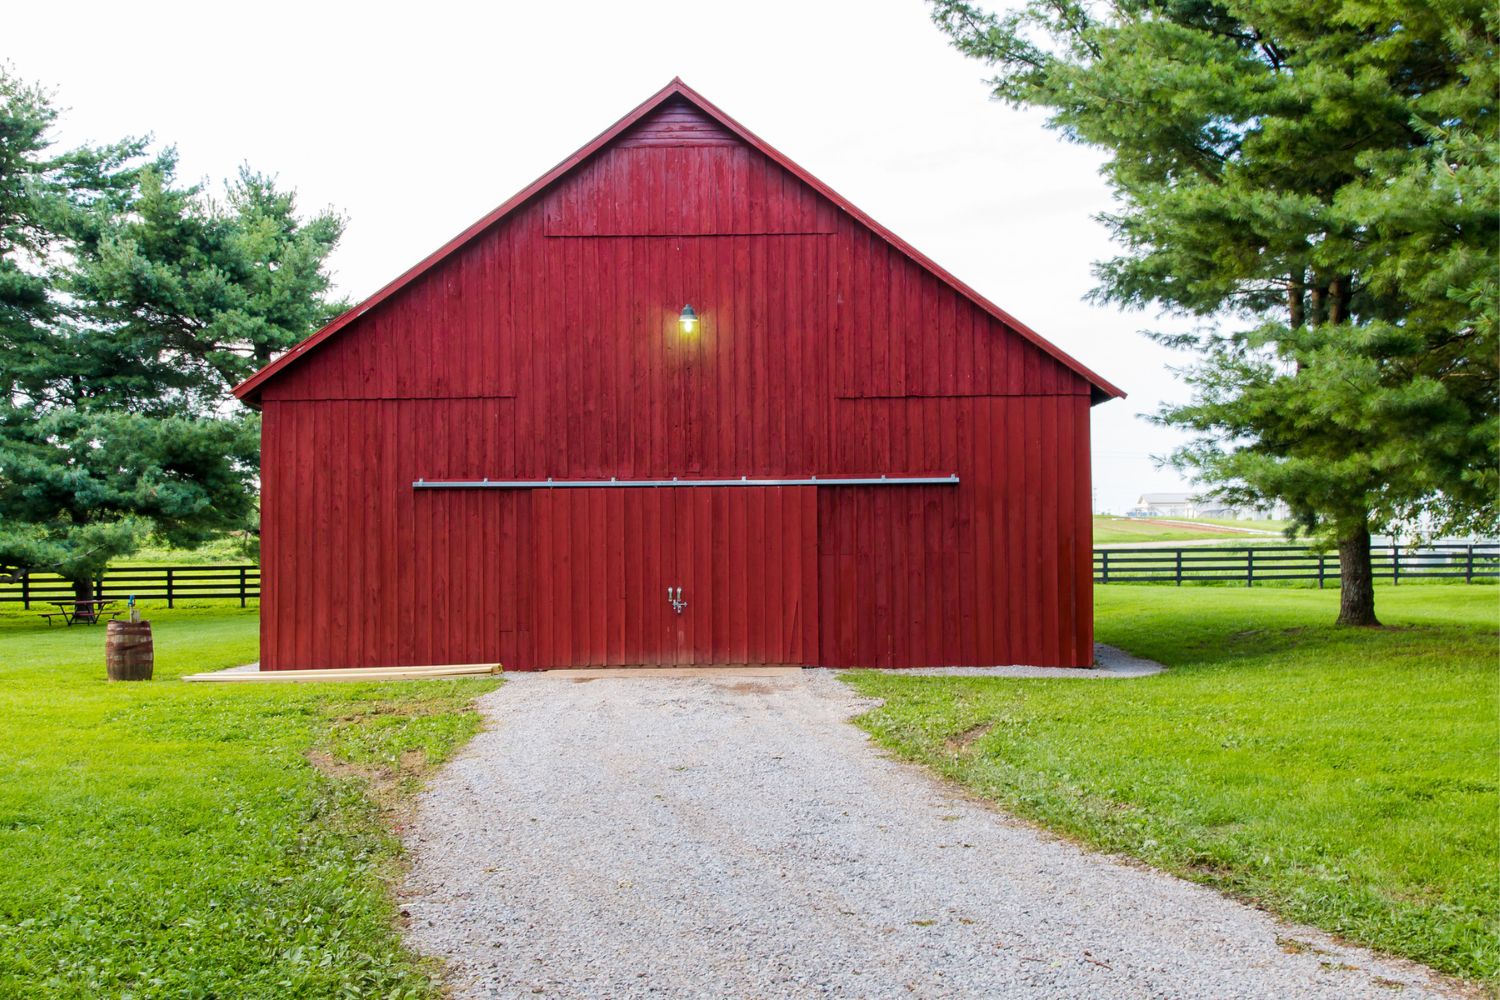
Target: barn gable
680 173
676 167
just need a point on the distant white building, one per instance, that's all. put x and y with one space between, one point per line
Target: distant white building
1190 505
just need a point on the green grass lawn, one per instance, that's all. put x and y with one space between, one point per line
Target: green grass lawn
219 552
175 840
1345 778
1119 530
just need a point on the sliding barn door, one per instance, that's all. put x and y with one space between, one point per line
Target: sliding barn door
674 576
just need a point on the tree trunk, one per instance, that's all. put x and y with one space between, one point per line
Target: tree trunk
1356 579
1340 293
83 590
1316 313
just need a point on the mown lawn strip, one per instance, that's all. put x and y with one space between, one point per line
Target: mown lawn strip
169 839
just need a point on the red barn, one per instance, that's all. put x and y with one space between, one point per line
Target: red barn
677 402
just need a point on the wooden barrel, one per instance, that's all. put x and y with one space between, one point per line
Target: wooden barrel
128 652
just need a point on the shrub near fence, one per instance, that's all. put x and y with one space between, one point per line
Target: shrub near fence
148 583
1252 564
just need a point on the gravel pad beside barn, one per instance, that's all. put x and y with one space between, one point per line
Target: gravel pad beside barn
736 837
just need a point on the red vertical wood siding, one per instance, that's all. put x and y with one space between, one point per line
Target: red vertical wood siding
743 558
547 346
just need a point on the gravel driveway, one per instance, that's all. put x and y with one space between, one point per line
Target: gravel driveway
736 837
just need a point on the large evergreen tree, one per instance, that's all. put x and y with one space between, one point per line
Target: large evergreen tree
1317 183
50 204
129 306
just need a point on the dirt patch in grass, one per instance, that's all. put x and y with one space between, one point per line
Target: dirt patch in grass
391 745
960 742
404 707
389 788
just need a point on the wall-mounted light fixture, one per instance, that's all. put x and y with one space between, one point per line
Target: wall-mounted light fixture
688 320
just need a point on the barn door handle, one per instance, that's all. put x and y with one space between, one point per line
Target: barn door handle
678 604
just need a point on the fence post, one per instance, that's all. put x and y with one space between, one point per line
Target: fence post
242 586
1321 557
1395 564
169 587
1468 567
1179 567
1105 554
1249 567
26 581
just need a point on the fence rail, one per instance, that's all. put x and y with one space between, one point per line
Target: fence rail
1252 564
152 583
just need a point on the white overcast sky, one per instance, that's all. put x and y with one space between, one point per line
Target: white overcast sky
416 119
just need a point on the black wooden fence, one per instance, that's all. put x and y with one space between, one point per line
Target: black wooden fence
1247 564
1252 564
154 583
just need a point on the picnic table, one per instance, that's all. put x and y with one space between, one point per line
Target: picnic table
82 612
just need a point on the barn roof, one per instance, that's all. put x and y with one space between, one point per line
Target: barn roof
249 390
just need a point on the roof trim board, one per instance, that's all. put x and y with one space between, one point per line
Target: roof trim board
248 390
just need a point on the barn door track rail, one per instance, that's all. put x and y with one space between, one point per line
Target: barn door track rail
560 484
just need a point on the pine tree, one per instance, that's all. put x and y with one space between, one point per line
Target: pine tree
1317 184
129 307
